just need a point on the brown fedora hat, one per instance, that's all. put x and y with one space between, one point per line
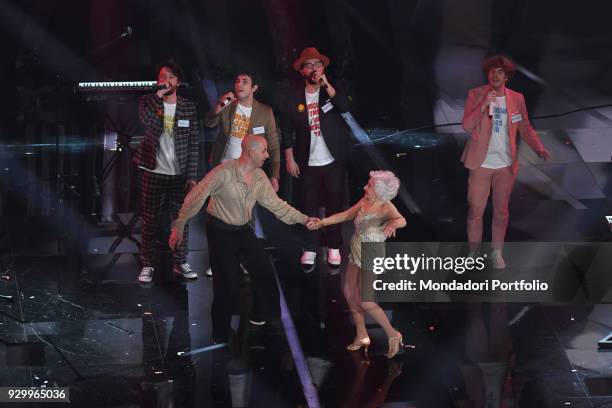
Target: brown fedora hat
309 53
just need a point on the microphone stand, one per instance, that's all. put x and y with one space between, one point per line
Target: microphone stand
110 42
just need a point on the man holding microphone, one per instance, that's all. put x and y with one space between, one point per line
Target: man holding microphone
168 160
317 145
493 114
237 114
240 114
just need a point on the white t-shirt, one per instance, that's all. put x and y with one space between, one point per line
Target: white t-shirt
167 162
498 155
240 127
319 153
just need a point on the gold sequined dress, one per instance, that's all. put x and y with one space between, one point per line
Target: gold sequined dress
368 228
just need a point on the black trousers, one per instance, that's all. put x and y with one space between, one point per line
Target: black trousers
229 246
323 185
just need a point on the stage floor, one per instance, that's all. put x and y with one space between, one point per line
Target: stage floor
81 320
77 322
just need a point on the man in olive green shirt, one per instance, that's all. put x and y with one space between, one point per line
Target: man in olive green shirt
234 187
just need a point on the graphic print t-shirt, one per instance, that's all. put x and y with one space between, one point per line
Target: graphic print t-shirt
167 162
240 127
498 155
319 153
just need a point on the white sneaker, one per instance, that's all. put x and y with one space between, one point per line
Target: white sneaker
333 256
308 258
185 270
146 274
209 272
497 259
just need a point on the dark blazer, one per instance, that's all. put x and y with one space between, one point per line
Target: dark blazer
261 116
296 132
186 139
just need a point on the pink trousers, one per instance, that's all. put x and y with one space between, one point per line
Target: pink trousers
480 182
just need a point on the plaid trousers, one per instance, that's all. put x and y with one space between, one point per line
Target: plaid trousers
157 190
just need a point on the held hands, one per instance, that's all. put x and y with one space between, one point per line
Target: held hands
176 236
313 223
293 168
224 101
316 224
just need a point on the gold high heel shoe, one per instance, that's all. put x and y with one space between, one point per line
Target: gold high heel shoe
365 343
394 345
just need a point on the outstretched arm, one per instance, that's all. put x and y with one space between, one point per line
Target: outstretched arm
193 203
340 217
269 200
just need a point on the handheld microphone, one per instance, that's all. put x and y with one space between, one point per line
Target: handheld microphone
226 102
159 87
492 108
128 31
322 83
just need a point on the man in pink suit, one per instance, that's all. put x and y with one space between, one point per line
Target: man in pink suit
493 114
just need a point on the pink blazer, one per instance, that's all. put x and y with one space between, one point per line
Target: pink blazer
479 125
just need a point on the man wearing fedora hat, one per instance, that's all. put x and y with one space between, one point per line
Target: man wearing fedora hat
316 145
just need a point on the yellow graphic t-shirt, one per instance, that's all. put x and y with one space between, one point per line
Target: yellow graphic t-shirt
240 124
240 128
167 162
169 123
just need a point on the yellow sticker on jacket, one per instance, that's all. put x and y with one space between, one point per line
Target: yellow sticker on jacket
301 107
